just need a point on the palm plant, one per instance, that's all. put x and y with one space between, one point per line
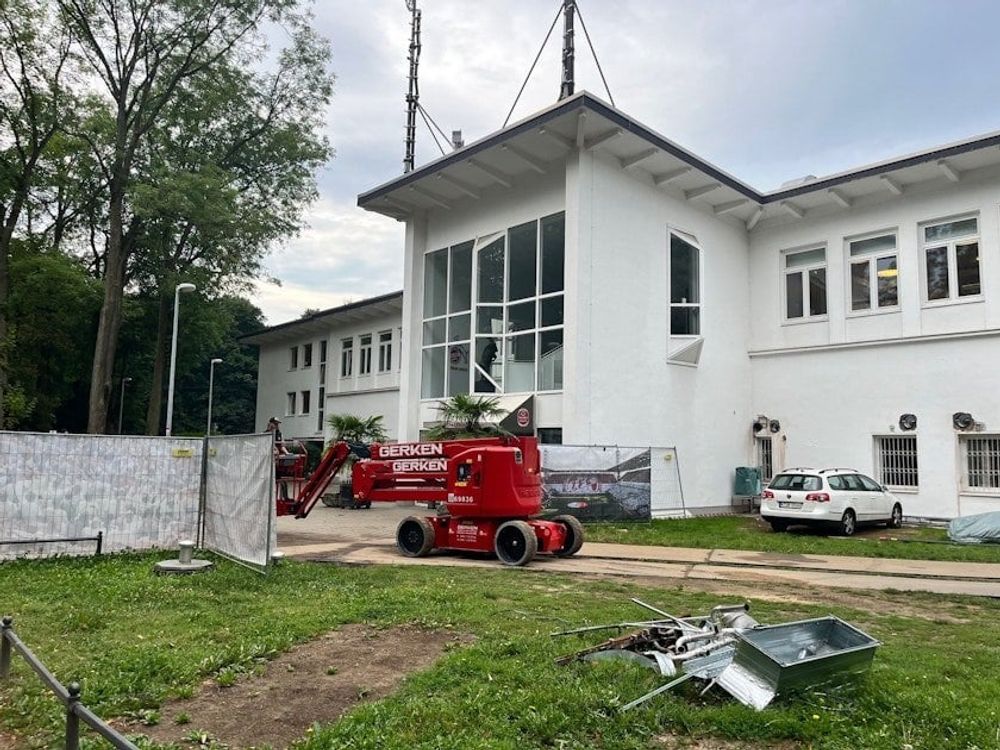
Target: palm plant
464 415
352 429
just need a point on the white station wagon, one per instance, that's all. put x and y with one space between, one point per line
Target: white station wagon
842 497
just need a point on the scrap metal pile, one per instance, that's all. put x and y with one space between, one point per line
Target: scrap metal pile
729 648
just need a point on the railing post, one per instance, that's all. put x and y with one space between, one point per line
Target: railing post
100 542
6 624
72 720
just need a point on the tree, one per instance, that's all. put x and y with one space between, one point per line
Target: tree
463 415
33 56
354 429
142 52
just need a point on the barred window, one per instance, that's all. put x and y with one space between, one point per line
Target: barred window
765 458
896 460
981 461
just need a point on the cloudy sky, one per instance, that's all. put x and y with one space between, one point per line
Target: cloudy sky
768 90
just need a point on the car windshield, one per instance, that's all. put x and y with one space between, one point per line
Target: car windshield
806 482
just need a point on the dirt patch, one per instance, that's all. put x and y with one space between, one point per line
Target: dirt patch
317 681
8 741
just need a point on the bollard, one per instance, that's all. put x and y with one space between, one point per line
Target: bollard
5 625
72 720
187 551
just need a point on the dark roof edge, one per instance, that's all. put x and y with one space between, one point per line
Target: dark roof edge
587 100
324 313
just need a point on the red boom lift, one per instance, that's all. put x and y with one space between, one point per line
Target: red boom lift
490 490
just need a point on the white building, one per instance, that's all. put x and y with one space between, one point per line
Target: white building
344 360
646 297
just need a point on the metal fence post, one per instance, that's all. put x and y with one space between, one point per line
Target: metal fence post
5 625
100 542
203 495
72 720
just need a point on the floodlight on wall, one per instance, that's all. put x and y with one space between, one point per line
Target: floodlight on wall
962 420
759 424
907 422
774 425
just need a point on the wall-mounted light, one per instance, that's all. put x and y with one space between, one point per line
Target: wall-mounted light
962 420
774 425
907 422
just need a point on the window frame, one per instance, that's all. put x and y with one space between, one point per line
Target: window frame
880 470
293 358
365 355
872 259
384 351
307 355
305 402
784 272
950 246
965 486
290 403
692 240
347 358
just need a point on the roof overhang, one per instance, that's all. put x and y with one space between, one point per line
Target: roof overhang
320 323
541 142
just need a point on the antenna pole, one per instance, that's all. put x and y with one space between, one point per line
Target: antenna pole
413 92
568 83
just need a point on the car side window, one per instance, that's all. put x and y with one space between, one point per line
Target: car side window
870 484
853 482
836 483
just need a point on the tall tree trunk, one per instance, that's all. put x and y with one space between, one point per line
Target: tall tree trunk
111 314
155 407
6 238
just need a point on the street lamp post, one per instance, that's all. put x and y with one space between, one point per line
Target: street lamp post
211 385
121 405
173 355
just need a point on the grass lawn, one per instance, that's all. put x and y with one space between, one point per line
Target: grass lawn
134 640
750 533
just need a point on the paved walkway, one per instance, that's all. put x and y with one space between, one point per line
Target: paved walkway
366 537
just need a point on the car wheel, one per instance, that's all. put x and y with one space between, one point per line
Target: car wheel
848 523
778 526
896 520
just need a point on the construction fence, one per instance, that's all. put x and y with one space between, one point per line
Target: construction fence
71 494
611 482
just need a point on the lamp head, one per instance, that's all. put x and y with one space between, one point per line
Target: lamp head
216 361
186 287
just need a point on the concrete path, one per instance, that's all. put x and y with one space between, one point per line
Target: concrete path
366 537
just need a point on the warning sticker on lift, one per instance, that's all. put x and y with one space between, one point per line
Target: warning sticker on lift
467 532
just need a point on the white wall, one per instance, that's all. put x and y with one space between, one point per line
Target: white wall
835 384
620 387
276 378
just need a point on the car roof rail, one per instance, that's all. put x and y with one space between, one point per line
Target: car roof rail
840 468
796 468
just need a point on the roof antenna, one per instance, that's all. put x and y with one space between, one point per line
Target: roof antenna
568 83
413 92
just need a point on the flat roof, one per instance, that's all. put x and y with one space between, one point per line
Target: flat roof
321 320
585 121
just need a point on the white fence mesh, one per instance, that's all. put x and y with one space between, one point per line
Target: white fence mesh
141 492
239 512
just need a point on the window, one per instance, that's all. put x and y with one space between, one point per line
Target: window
346 358
981 462
305 401
385 351
805 284
293 358
320 409
796 482
896 461
493 313
365 355
290 407
874 273
307 355
951 259
685 286
322 352
550 435
765 457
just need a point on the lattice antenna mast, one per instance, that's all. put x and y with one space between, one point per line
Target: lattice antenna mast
568 53
413 92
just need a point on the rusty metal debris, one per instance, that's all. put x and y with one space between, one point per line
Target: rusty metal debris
727 647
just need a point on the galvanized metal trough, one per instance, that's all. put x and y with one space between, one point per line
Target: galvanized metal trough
782 658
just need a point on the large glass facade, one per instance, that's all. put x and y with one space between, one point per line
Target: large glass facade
493 312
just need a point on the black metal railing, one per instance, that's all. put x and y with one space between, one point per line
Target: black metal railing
99 539
69 695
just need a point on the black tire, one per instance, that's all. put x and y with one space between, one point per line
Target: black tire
896 520
574 535
415 536
848 523
515 543
368 504
778 525
331 501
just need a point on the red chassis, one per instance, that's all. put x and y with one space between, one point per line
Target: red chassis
489 488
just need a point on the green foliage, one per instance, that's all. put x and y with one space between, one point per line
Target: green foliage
749 533
464 416
135 640
357 429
